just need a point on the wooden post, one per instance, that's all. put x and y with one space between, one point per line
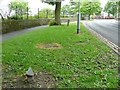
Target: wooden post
68 22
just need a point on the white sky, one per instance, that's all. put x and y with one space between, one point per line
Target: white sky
34 4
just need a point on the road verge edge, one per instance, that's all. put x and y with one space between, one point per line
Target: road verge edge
109 43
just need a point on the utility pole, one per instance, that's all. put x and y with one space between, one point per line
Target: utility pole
78 18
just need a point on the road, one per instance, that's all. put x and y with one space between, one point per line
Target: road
106 28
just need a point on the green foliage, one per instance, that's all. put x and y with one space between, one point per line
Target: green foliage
52 23
65 9
16 18
87 7
68 10
91 8
111 8
46 13
118 6
20 7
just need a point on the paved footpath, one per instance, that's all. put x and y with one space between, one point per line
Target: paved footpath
15 33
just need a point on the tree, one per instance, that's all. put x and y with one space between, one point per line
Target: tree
46 13
57 4
91 8
1 14
111 8
65 10
20 7
87 7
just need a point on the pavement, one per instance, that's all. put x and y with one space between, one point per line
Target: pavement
106 28
15 33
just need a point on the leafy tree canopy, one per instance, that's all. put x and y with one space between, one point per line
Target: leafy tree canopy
111 8
46 13
19 5
91 8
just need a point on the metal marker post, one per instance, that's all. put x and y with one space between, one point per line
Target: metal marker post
78 18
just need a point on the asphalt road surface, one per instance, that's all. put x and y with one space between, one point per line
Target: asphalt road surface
109 29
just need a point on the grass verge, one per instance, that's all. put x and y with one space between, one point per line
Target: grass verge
83 61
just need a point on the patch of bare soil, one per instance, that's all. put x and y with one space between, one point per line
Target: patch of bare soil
40 80
49 46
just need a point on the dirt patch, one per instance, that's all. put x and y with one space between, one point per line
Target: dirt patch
49 46
40 80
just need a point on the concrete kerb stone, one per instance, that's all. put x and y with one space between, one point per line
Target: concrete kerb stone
109 43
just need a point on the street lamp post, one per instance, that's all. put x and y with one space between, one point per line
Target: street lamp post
78 18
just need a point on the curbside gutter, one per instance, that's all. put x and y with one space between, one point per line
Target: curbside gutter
109 43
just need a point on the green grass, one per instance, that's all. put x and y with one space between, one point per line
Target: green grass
87 64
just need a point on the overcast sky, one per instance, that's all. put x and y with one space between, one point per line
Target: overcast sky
34 4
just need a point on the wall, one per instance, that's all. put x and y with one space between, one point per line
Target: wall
15 25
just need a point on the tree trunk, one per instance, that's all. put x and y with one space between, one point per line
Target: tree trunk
1 16
89 17
57 13
108 14
63 14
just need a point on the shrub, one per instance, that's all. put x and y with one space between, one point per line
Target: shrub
52 23
82 18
